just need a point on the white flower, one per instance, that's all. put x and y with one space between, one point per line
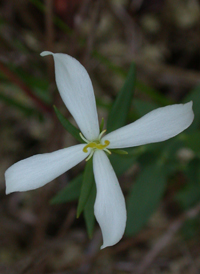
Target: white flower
76 90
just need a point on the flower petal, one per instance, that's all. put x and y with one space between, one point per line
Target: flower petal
109 208
38 170
76 90
156 126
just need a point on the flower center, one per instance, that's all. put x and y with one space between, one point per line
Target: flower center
96 144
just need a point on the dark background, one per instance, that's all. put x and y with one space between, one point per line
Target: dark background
162 37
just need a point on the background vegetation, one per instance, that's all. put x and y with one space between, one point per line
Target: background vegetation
140 54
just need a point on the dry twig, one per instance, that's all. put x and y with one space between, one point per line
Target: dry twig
16 80
133 34
165 239
163 74
91 35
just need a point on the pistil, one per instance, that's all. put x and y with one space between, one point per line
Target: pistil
95 145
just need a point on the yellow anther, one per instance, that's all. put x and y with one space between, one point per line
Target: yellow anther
95 145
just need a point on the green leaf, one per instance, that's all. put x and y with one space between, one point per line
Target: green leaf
102 124
120 109
69 193
188 196
113 67
89 212
57 21
121 163
191 140
194 96
153 93
119 151
144 197
38 85
190 229
143 107
88 181
68 126
144 158
193 171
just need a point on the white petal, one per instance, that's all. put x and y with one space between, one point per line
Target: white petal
76 90
109 208
38 170
156 126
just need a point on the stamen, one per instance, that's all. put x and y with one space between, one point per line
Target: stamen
108 151
101 134
95 145
83 138
91 154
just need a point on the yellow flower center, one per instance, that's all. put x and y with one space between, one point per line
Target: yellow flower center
96 144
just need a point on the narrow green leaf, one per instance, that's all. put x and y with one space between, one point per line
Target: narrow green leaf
143 107
113 67
69 193
121 163
144 197
194 96
119 151
88 181
151 92
190 229
188 196
120 109
102 124
192 171
57 21
24 109
89 212
38 85
68 126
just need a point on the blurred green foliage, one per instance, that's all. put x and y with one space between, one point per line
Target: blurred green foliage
159 163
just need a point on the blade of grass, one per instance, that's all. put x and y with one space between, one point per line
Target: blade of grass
88 182
69 193
68 126
89 212
24 109
118 114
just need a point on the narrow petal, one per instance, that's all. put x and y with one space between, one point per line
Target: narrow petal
38 170
76 90
109 208
156 126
